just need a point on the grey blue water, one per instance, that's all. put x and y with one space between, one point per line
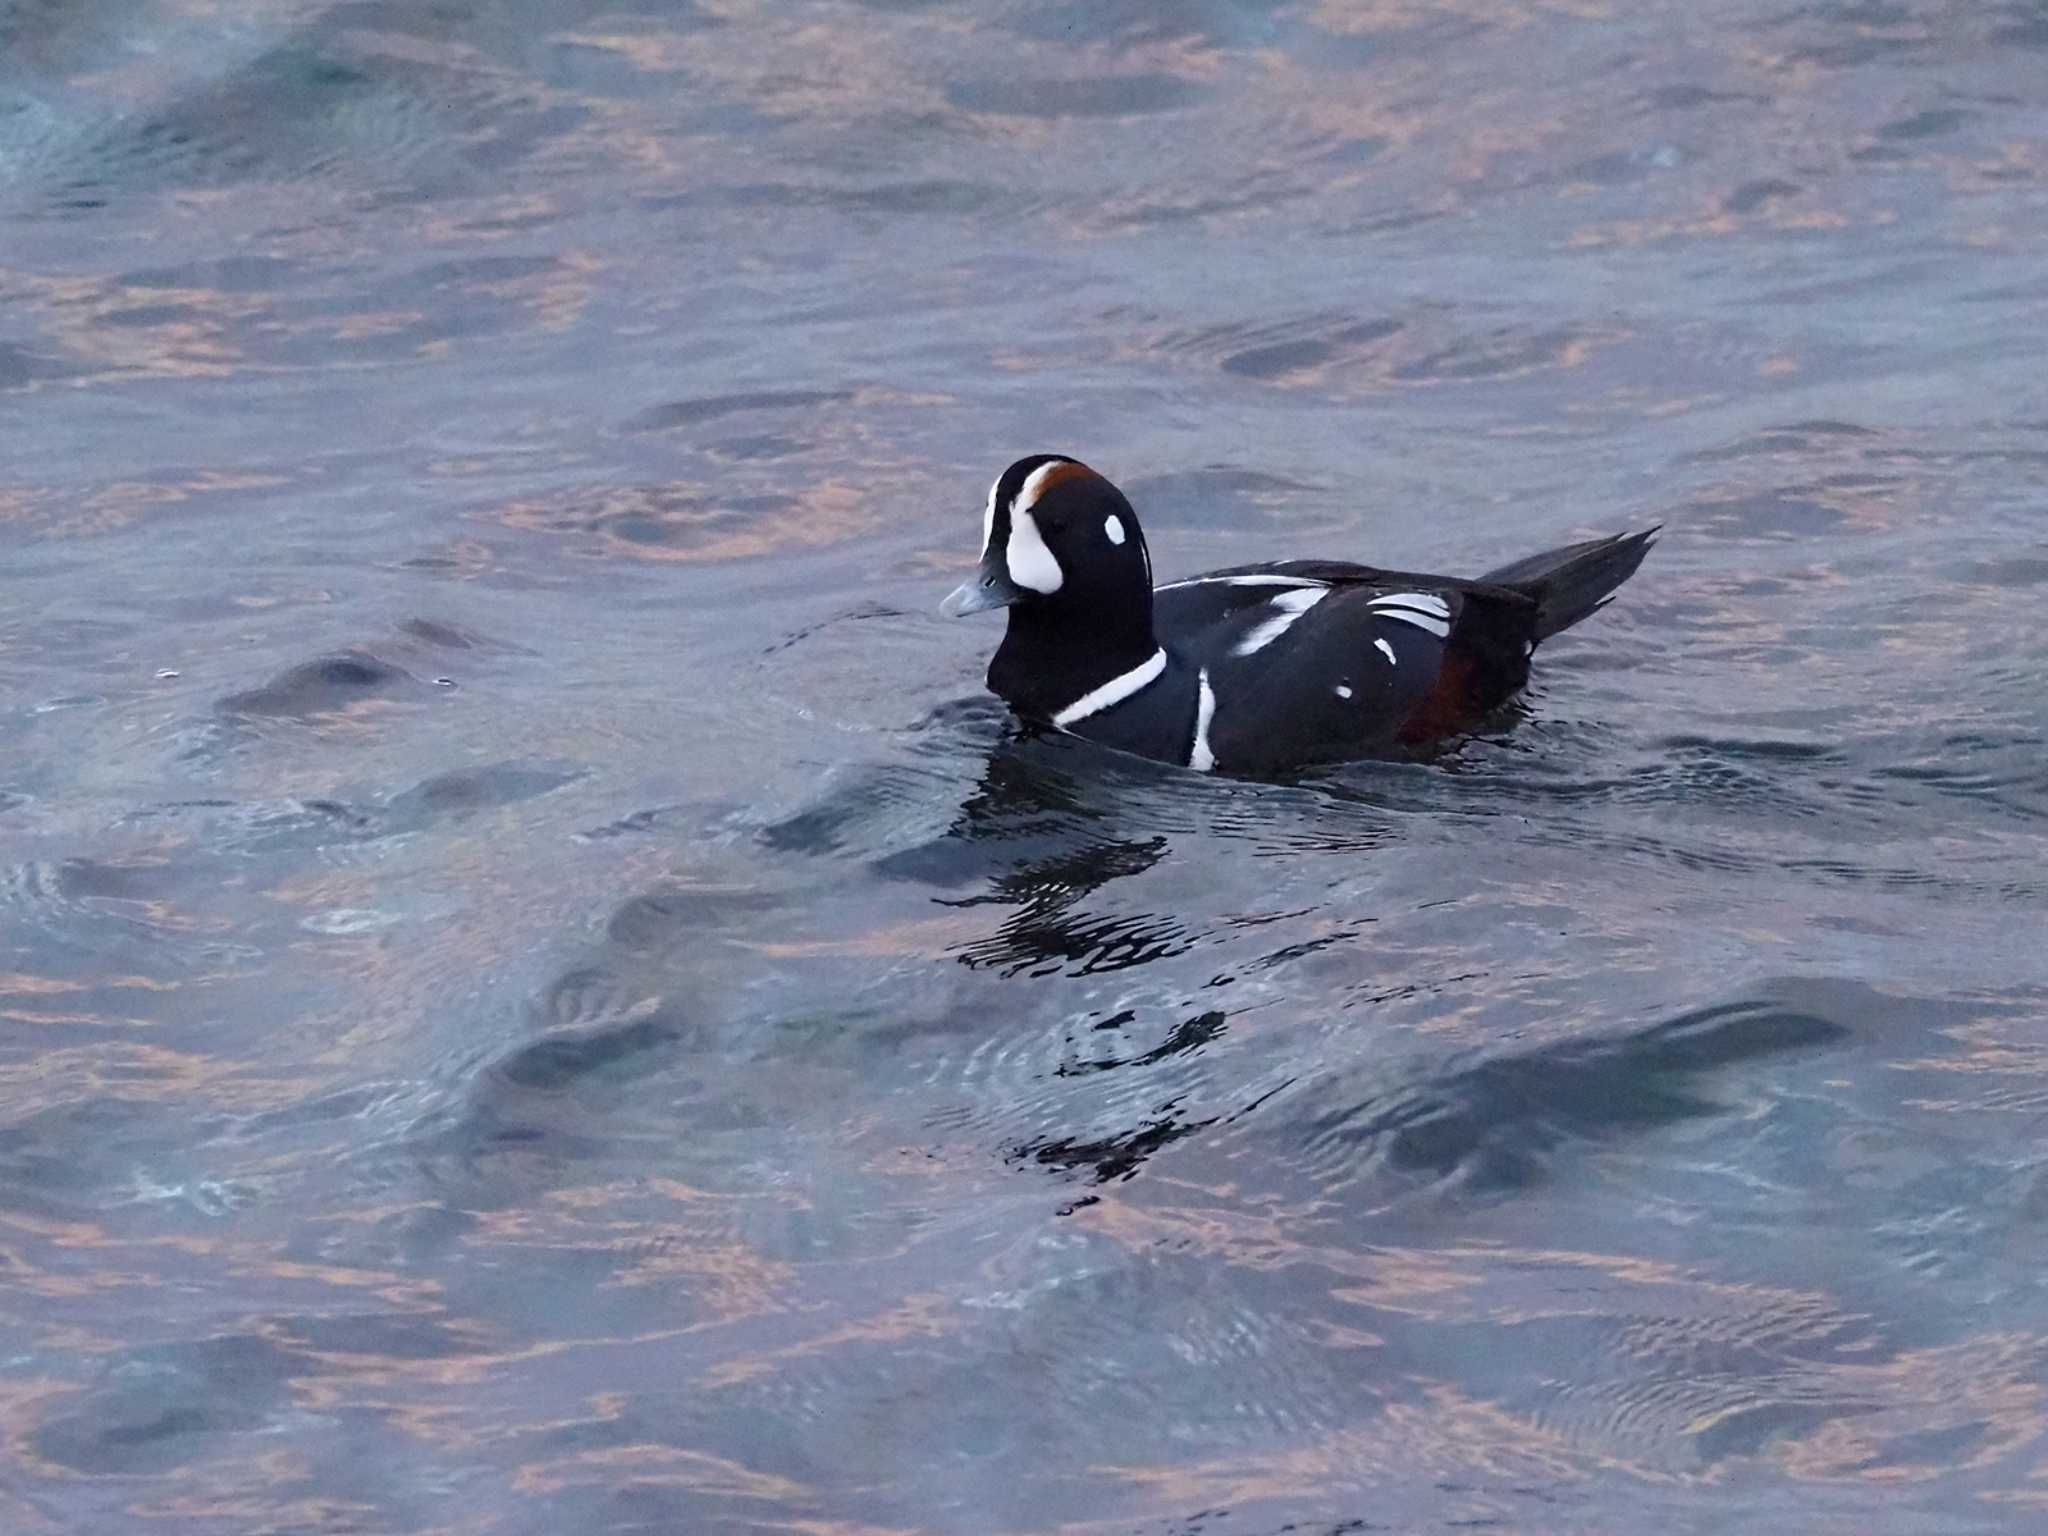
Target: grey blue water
537 993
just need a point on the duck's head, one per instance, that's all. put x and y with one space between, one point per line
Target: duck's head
1056 536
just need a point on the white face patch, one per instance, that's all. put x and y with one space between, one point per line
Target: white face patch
1031 564
1113 526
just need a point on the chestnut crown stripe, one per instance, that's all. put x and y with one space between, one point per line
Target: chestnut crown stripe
1044 478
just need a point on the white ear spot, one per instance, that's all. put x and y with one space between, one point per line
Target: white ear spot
1114 527
1031 563
1343 690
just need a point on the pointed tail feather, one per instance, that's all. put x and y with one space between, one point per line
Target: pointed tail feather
1570 583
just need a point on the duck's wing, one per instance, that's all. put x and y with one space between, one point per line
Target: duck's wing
1310 660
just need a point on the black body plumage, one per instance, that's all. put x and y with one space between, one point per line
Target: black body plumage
1259 668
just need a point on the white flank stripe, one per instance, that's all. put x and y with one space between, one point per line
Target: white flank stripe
1292 605
1422 602
1031 563
1115 691
1424 610
1421 621
1200 758
1391 660
1247 581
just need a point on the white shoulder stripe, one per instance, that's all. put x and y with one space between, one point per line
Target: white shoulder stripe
1113 692
1245 581
1291 606
1200 758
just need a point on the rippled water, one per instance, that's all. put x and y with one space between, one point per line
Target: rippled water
537 995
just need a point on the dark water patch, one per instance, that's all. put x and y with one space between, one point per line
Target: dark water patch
327 686
670 915
445 636
633 823
308 1114
143 911
469 790
689 413
232 129
764 447
587 995
377 1335
1277 351
567 1060
2016 571
21 367
659 521
1186 1037
864 815
1761 515
1930 124
1622 166
164 1406
1133 23
1213 496
1759 749
1112 96
1501 354
224 274
935 197
2026 28
1496 1127
1683 97
1752 195
1048 938
1856 33
484 271
854 615
1795 440
1285 357
2006 772
86 1154
1109 1158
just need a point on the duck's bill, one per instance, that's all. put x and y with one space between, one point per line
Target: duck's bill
986 589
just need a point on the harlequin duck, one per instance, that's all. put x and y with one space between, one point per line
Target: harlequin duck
1259 668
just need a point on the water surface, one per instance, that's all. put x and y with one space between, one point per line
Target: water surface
537 995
